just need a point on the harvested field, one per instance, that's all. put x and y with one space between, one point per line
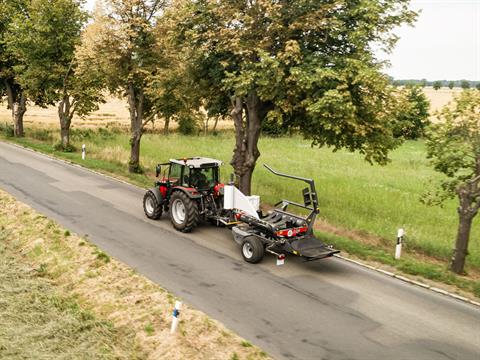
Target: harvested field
115 112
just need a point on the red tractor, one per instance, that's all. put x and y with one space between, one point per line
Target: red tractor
189 190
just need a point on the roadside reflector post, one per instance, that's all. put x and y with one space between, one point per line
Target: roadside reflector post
175 314
398 247
84 150
280 259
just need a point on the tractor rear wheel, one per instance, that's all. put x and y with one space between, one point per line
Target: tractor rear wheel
151 206
184 213
252 249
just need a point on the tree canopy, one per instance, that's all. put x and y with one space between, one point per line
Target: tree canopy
46 42
454 149
9 62
126 49
307 64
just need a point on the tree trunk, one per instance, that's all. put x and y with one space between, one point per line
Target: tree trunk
215 124
17 102
65 115
467 210
19 109
247 133
461 245
134 163
205 127
135 105
166 125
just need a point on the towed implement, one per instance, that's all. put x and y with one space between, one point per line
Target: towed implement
190 191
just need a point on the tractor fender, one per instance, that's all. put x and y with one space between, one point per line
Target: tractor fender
157 193
190 192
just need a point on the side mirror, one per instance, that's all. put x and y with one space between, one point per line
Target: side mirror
158 169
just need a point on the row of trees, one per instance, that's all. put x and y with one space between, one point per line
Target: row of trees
39 63
438 84
307 66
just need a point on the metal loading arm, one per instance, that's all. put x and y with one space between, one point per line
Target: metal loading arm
310 197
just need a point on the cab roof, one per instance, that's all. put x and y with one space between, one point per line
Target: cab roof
198 162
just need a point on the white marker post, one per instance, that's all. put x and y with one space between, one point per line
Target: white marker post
280 259
398 247
84 150
176 313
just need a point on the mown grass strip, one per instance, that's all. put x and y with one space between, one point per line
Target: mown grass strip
38 323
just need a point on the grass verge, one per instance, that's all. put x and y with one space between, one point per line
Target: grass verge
361 204
62 297
415 266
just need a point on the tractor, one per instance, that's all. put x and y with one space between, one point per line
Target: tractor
189 190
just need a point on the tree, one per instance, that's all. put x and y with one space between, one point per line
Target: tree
454 149
46 43
451 85
172 89
307 64
9 86
128 54
413 117
477 86
437 85
465 84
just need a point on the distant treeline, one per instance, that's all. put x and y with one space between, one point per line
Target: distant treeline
466 84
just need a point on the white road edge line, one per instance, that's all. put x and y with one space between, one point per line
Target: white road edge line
410 281
388 273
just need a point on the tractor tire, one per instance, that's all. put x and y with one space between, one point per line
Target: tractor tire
151 206
253 250
183 211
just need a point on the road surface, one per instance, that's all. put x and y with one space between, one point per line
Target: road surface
328 309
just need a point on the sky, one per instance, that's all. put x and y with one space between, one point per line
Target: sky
443 44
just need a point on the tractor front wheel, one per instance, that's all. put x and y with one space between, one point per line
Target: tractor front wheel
151 206
183 212
252 249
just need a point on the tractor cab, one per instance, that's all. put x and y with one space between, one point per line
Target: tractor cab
199 173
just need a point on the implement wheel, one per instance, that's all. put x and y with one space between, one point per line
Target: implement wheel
183 212
151 206
252 249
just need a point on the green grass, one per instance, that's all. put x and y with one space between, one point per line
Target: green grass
353 194
409 263
149 329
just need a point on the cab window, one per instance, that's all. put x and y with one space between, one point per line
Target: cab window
175 173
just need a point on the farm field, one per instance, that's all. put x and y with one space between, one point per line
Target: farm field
115 112
371 201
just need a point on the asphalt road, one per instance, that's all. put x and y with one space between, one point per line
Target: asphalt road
328 309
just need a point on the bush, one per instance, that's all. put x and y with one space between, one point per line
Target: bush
187 124
7 129
68 149
106 134
42 134
413 119
81 134
271 127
